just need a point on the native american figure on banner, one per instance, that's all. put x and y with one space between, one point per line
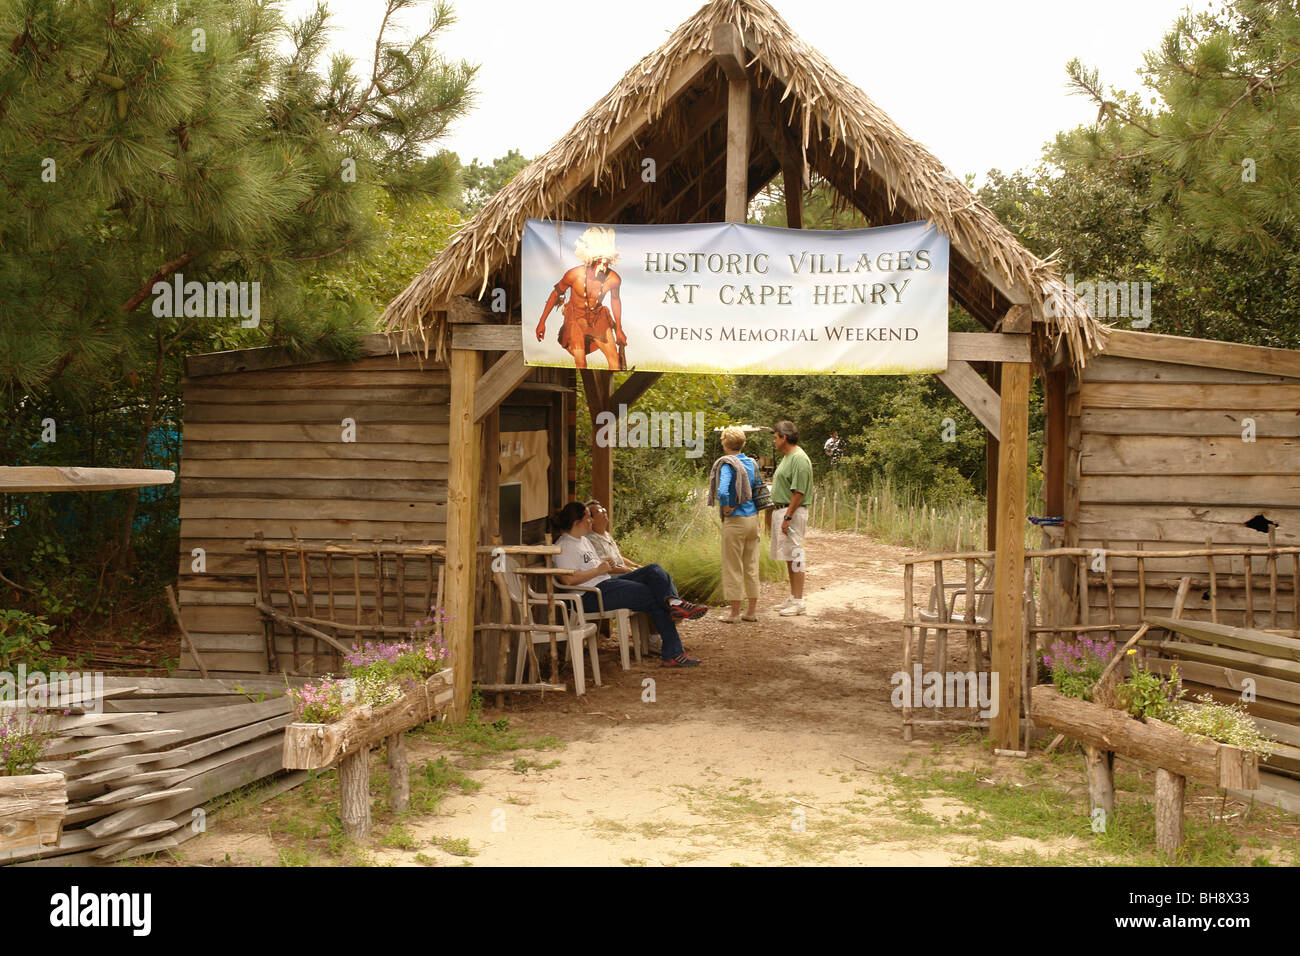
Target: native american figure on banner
589 324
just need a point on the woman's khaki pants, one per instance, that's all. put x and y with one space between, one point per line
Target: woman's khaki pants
740 557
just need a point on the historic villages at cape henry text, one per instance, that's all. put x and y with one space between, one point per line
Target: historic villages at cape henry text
861 289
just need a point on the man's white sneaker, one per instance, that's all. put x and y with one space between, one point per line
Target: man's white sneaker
786 602
794 608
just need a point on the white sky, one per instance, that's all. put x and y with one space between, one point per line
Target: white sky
982 85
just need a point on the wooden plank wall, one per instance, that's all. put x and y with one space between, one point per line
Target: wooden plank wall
264 451
1156 457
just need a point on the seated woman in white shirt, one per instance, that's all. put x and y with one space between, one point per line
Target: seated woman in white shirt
647 588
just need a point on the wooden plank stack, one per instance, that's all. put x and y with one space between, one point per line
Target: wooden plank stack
142 757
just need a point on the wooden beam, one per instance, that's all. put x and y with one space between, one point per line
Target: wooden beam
729 50
988 347
699 119
27 478
488 338
768 166
636 385
1057 430
248 360
598 385
739 130
505 375
1009 564
465 442
793 183
1203 352
463 310
973 392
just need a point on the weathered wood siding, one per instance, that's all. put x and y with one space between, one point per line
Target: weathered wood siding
264 451
1156 456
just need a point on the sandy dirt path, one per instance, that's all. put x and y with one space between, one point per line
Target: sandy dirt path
778 749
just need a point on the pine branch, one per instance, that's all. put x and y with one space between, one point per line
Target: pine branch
163 272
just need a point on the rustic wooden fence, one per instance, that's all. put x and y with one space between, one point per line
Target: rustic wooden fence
1252 585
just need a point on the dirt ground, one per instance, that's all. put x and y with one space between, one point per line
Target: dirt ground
779 749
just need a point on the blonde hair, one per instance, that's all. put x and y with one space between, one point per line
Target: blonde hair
733 438
596 243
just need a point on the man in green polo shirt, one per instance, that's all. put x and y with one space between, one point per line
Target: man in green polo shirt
791 486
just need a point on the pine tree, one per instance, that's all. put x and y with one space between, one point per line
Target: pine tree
206 139
1217 139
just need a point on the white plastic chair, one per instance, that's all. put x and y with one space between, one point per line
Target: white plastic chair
574 628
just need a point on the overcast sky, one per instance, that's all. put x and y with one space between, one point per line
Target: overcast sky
982 85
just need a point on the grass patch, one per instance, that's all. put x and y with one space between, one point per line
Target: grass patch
1001 811
399 837
476 738
457 846
523 765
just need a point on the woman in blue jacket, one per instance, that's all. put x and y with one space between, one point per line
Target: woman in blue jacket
739 526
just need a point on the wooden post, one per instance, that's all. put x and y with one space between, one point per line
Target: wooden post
857 510
992 462
1009 566
264 594
464 439
1101 779
399 775
1170 790
1214 583
354 794
1142 587
1056 395
598 384
1272 579
909 634
739 128
792 179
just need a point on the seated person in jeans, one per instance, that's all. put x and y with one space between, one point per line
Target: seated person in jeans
648 588
603 541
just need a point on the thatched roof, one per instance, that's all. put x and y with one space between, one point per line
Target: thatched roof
672 105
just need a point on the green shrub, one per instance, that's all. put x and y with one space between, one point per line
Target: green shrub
1148 694
653 488
23 641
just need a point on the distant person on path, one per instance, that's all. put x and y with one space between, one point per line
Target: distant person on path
648 588
834 447
731 485
791 484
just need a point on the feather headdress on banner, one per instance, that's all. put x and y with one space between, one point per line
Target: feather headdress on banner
596 243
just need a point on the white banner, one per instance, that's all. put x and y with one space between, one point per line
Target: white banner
740 299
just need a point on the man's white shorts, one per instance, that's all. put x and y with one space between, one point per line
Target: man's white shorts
784 545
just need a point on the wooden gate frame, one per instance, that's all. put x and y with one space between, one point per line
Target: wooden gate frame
1004 411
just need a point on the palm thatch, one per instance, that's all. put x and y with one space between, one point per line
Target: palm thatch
807 113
